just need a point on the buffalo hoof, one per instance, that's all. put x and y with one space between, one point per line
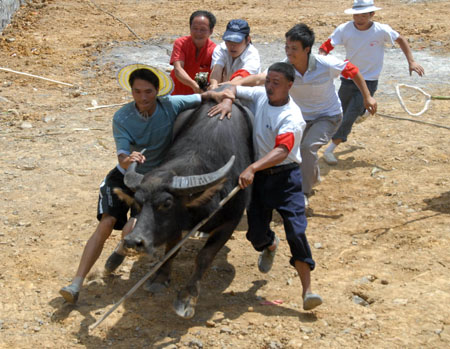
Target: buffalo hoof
185 307
155 287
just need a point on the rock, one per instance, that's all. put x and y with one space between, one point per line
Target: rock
274 345
400 301
48 119
171 346
210 323
250 309
24 125
360 301
384 282
294 344
306 329
226 330
289 282
318 245
36 329
10 39
195 343
1 324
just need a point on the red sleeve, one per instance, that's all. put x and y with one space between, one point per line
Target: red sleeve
287 139
177 52
350 71
241 72
326 46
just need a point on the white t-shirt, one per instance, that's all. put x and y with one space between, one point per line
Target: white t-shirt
271 121
365 48
248 60
314 92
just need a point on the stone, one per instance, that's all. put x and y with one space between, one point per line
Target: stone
318 245
400 301
294 344
195 343
210 323
226 330
360 301
306 329
25 125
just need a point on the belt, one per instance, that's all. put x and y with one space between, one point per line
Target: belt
277 169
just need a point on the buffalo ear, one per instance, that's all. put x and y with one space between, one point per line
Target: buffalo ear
125 197
207 195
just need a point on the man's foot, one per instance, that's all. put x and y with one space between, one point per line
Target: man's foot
69 293
329 158
113 262
266 257
311 300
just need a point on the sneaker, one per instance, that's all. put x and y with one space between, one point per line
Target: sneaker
113 262
329 158
265 260
69 294
311 301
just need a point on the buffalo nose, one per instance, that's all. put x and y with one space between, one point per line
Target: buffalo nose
135 242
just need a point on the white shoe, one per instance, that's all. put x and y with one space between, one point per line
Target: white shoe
329 158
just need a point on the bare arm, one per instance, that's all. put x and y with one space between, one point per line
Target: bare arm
216 77
369 102
184 77
273 158
413 65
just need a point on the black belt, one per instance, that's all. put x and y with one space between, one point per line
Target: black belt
277 169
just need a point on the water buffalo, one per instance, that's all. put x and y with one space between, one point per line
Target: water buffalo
196 174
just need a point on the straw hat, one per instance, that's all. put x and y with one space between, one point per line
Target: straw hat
361 6
165 82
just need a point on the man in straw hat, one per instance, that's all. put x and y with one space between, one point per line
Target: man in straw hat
145 123
363 40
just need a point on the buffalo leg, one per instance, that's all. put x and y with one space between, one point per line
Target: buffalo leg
186 300
160 281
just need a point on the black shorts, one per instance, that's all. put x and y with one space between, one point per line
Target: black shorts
110 203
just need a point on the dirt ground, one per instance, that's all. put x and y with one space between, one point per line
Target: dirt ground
379 229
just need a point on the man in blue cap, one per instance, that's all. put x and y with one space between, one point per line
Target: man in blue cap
236 57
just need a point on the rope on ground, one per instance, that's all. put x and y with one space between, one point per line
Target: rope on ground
117 19
428 98
35 76
413 120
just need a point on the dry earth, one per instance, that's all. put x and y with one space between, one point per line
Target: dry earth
380 227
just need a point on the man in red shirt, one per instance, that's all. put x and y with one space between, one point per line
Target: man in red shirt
192 54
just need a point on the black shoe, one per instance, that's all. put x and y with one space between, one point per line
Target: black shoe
113 262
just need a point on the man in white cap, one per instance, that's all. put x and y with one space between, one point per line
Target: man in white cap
236 57
363 40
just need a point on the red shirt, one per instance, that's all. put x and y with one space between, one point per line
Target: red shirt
185 50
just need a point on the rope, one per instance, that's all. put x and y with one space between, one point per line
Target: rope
427 96
118 19
413 120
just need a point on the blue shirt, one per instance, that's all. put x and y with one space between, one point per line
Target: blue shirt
133 132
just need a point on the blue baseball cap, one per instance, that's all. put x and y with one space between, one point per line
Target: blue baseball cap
237 30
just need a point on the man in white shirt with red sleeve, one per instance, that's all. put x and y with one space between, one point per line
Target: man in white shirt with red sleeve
275 175
314 92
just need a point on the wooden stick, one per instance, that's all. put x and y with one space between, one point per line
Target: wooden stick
106 106
165 258
35 76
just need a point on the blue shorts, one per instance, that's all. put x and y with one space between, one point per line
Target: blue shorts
281 191
352 105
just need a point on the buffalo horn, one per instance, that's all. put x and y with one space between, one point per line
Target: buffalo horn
198 183
132 178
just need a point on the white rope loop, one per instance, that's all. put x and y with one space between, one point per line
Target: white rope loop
427 96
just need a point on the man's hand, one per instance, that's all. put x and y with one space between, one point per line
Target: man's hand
246 177
223 108
417 68
126 160
371 105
